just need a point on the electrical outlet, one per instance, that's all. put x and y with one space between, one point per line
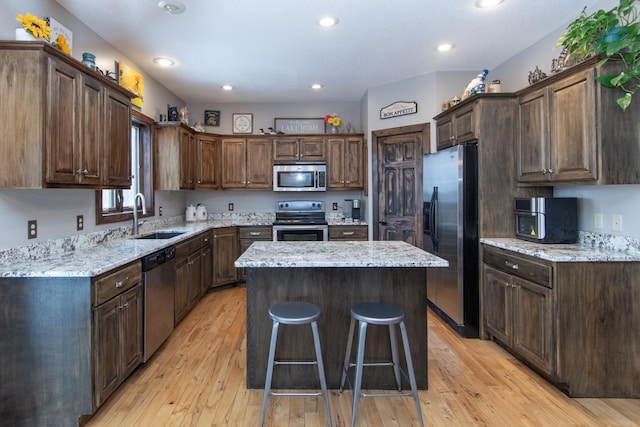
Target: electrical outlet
32 229
230 207
160 211
598 221
616 222
79 222
335 206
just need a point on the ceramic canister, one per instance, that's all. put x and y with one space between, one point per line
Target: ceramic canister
190 214
201 212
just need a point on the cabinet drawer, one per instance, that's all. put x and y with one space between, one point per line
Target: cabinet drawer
519 266
117 282
348 233
255 233
464 125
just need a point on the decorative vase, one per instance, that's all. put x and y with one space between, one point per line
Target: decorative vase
89 59
334 129
23 35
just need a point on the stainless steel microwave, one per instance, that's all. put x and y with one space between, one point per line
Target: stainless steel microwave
300 176
547 219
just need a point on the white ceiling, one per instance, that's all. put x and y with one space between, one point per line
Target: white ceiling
272 51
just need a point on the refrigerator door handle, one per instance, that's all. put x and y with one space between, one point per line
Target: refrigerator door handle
433 219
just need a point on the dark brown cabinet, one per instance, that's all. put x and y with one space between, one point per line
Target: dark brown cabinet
117 329
571 131
64 121
207 161
456 127
345 162
559 318
348 232
308 148
193 273
248 235
225 253
187 158
247 163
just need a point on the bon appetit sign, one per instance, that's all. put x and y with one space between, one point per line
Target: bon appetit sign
399 108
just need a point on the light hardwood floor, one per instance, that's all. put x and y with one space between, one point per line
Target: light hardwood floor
197 379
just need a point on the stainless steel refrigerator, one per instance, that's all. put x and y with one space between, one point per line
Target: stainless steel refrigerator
450 215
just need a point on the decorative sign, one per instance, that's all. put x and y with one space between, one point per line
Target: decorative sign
398 108
296 126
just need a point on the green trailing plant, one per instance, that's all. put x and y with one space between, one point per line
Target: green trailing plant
612 34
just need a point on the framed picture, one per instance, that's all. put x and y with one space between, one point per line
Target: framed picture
211 117
132 80
242 122
299 125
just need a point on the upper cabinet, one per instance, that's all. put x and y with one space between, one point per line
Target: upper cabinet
208 161
345 162
310 149
63 125
571 131
247 163
456 127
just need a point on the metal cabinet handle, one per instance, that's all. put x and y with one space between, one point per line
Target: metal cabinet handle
121 283
511 265
348 233
255 233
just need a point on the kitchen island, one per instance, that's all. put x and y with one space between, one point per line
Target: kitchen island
334 276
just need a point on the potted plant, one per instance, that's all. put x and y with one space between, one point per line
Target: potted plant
612 34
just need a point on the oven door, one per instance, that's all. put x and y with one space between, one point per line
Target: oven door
297 233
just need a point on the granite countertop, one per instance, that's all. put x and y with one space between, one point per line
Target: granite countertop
337 254
580 252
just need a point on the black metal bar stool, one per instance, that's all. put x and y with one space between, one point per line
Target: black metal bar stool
295 313
378 314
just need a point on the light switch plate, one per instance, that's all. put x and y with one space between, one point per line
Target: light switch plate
598 221
616 222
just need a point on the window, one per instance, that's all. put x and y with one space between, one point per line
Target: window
117 205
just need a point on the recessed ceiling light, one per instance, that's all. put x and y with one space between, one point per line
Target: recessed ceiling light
317 86
328 21
444 47
164 62
173 7
485 4
227 87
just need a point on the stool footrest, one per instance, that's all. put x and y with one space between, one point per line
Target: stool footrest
351 365
293 362
386 394
295 393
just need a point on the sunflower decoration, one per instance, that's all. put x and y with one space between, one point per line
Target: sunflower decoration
35 26
62 44
333 119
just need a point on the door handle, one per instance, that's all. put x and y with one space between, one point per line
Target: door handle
383 222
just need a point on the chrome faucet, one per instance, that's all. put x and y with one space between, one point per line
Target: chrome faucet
135 211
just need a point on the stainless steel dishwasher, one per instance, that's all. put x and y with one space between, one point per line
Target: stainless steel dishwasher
159 271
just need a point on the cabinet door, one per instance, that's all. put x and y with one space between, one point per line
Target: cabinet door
444 132
464 124
498 305
354 163
285 148
131 330
225 250
208 162
106 349
91 132
533 137
187 159
63 112
312 149
195 277
234 164
532 323
117 140
335 163
181 305
259 163
573 128
206 264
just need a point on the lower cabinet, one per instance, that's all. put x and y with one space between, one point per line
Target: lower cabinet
193 273
518 313
117 329
248 235
225 253
572 321
348 232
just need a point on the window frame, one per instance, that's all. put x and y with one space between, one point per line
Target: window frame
145 155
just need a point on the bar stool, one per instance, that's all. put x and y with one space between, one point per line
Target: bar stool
295 313
378 314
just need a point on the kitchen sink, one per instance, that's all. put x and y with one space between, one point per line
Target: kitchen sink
160 235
